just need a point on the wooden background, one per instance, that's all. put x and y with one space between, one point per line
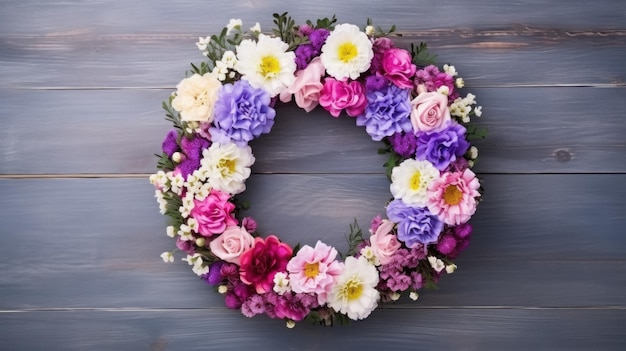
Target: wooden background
80 89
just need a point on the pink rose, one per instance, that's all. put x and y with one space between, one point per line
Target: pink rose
214 213
398 67
430 112
231 244
306 89
384 243
337 95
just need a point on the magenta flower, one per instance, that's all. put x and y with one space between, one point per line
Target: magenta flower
214 213
398 67
259 264
337 96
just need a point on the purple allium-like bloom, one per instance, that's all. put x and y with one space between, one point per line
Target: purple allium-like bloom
442 148
294 306
304 55
318 38
375 82
230 272
252 306
192 148
387 112
241 114
232 301
403 144
416 225
214 276
446 244
463 231
170 145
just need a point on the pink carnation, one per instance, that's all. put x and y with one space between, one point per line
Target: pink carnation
338 95
452 197
214 213
314 270
259 264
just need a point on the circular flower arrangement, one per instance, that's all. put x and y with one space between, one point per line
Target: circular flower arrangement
401 98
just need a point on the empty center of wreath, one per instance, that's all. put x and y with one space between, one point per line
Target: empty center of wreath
317 169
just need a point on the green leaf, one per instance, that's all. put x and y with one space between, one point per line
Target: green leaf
421 56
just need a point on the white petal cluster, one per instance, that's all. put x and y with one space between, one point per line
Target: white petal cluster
410 181
195 97
347 52
227 166
436 263
199 267
354 293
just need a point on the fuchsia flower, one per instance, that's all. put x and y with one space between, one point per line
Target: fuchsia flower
314 270
214 213
452 197
337 95
398 67
259 264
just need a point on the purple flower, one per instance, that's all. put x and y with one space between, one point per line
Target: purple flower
192 148
416 225
375 82
318 37
442 148
387 112
432 79
304 55
214 276
170 146
242 113
403 144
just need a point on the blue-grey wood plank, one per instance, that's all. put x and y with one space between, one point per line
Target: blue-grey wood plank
118 131
539 240
160 16
453 329
505 57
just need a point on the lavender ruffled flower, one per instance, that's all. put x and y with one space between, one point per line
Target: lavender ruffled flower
442 148
403 144
387 112
416 225
241 114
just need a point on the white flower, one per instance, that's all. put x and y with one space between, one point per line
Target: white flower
368 253
354 292
177 157
162 202
195 97
266 64
229 59
473 152
436 263
410 181
234 23
444 90
170 231
228 166
222 289
220 70
192 224
197 262
177 182
347 52
413 295
451 268
167 257
281 283
369 30
459 82
394 296
256 28
160 181
291 324
203 43
478 111
449 69
203 192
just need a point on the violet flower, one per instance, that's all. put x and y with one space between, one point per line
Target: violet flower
387 112
443 147
416 225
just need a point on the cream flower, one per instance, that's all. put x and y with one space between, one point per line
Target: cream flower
347 52
266 64
354 292
195 97
410 181
227 166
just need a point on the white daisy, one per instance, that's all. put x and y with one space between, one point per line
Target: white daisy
354 293
410 181
266 64
195 97
347 52
227 166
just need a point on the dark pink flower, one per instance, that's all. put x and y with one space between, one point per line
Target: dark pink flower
337 95
214 213
398 67
259 264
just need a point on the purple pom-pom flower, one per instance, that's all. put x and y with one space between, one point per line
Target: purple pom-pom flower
241 114
416 225
443 147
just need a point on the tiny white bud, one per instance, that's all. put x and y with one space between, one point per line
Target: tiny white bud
170 231
256 28
478 111
167 257
473 152
459 82
465 119
450 268
444 90
449 69
369 30
413 296
177 157
291 324
222 289
200 242
470 163
394 296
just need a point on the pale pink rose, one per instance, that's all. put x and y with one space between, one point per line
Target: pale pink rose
214 213
398 67
337 95
384 243
430 112
231 244
306 89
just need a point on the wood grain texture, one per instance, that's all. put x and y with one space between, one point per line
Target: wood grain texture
510 56
216 329
96 242
119 131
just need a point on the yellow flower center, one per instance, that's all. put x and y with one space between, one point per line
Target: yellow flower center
202 97
311 270
352 290
269 66
347 51
414 182
452 195
227 166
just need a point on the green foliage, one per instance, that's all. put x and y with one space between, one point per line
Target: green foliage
325 23
355 238
287 31
421 56
474 132
173 117
164 163
218 45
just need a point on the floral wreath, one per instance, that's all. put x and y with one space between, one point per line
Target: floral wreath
401 98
